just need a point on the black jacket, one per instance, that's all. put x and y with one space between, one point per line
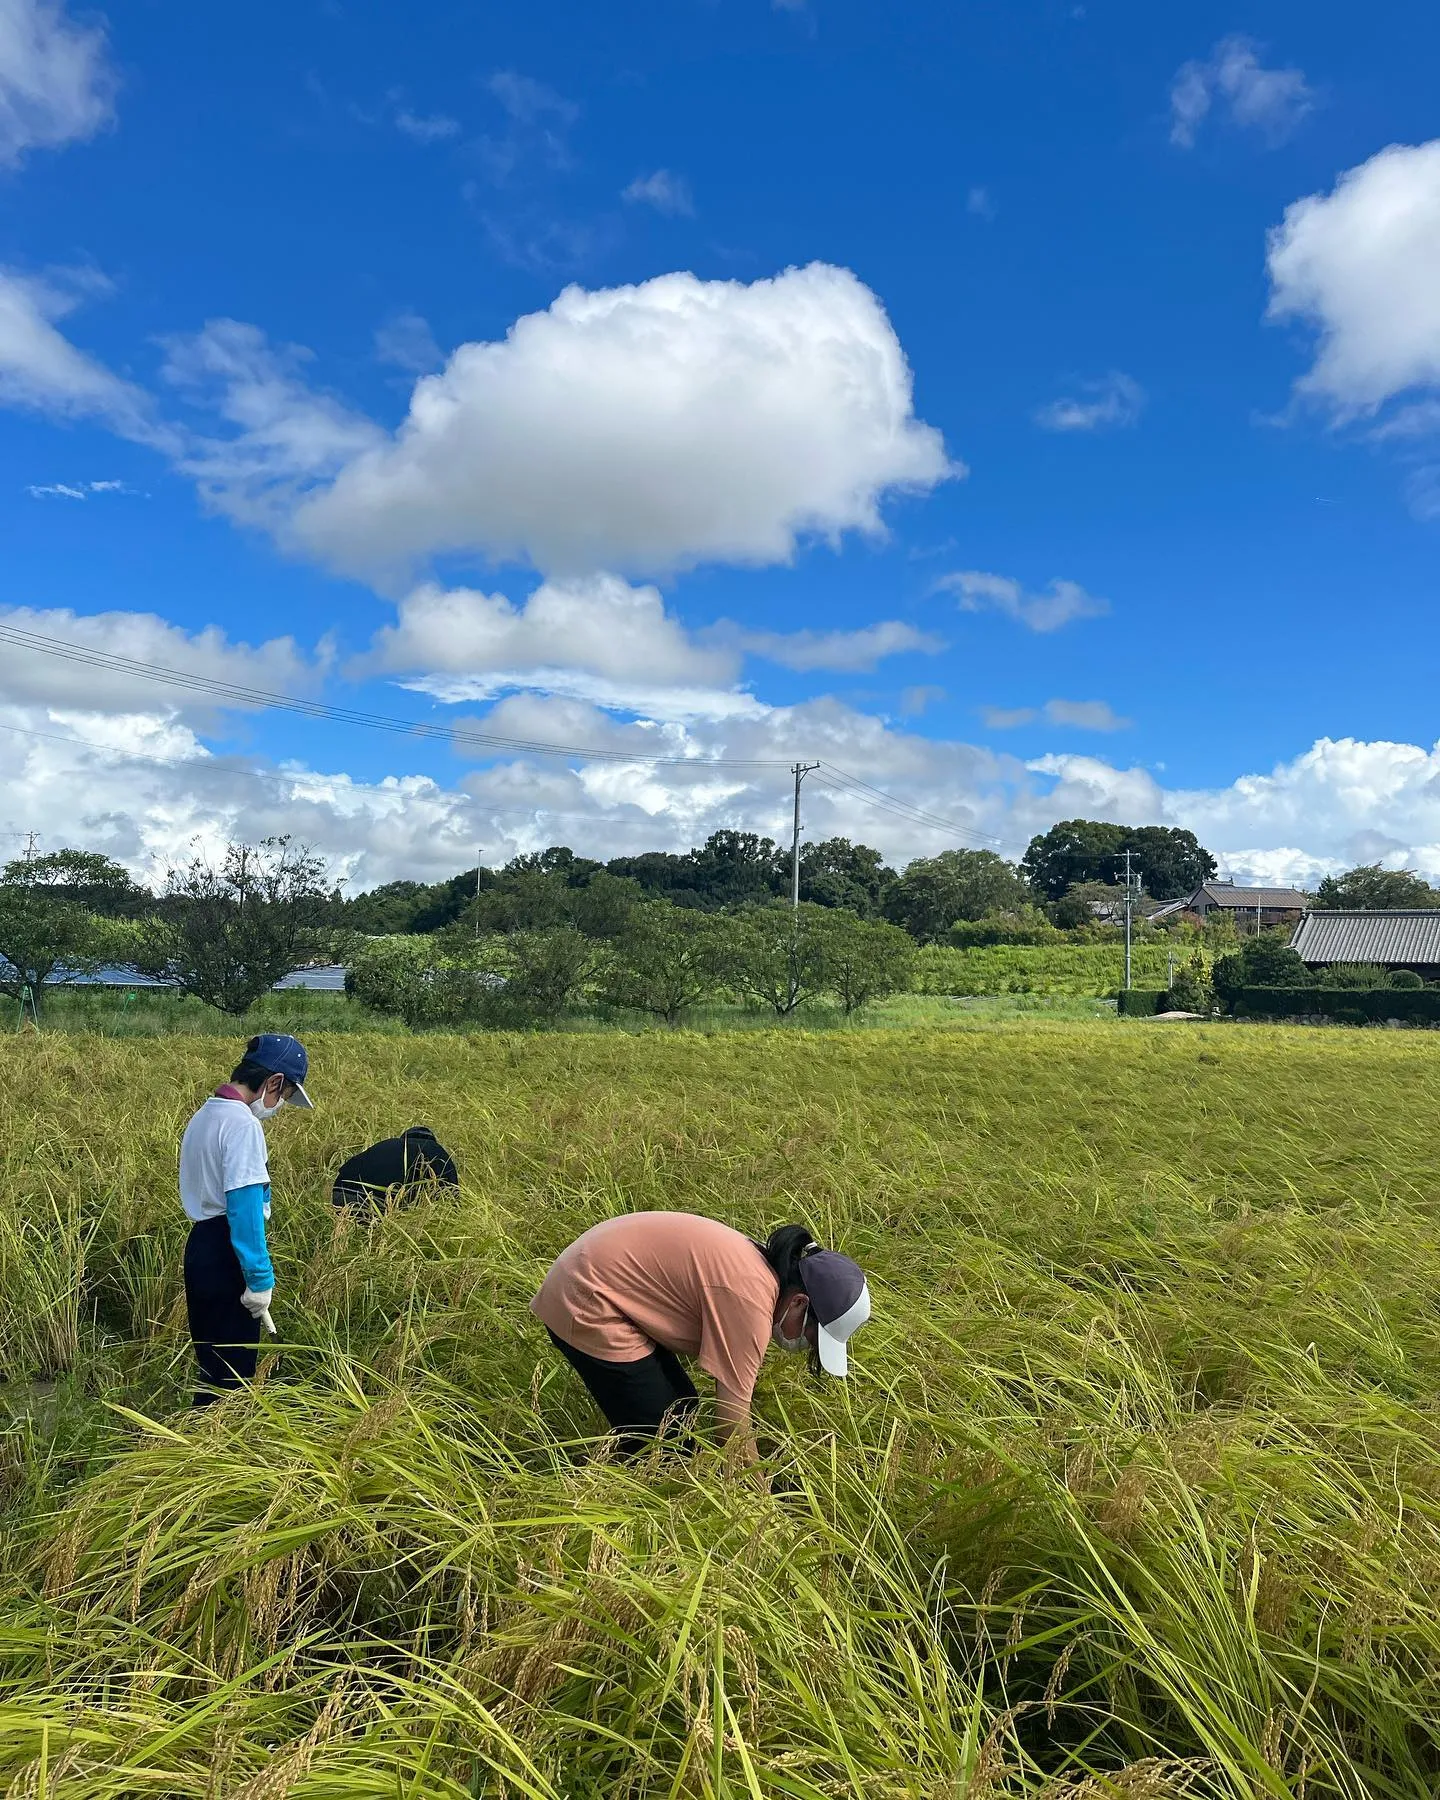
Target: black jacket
406 1164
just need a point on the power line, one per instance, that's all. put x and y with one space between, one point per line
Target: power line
226 766
345 715
87 656
843 782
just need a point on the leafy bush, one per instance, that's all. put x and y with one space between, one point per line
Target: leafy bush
1363 976
1405 980
1192 990
1141 1003
1346 1006
1265 960
1028 925
420 981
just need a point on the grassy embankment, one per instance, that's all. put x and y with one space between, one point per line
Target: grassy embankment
1136 1476
1051 969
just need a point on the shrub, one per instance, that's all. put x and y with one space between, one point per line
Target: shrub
1365 977
1029 926
1263 961
1344 1006
1405 980
1141 1003
421 981
1191 990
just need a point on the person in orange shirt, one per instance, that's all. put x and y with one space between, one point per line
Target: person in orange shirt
634 1294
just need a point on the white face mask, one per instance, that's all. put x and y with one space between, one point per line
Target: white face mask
791 1343
262 1111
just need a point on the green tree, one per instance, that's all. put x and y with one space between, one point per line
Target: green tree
738 868
46 933
384 911
1265 960
418 979
776 956
863 959
528 898
660 874
836 872
1192 990
1372 888
228 932
543 973
666 959
935 891
1172 862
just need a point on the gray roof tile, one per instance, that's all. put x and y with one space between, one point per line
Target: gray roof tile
1366 937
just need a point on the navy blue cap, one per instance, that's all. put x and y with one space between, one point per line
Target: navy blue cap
284 1055
839 1298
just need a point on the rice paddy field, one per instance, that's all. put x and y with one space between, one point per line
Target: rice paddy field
1135 1488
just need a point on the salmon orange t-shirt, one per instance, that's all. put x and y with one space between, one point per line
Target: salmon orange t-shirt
689 1284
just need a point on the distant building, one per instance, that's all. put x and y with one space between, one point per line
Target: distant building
1396 940
1252 908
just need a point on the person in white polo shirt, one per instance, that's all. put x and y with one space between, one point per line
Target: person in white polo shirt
225 1190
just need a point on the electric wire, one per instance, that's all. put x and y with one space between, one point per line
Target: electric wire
840 781
852 786
233 692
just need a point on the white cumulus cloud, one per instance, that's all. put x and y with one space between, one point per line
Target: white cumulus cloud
1269 101
1362 264
642 429
56 85
597 624
1057 605
34 677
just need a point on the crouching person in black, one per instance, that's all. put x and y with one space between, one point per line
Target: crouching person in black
403 1167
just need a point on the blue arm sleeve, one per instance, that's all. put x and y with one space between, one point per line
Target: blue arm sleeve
245 1209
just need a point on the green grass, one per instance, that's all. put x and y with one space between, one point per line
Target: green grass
1060 969
1133 1491
113 1013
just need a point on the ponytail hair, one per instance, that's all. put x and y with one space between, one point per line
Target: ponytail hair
784 1249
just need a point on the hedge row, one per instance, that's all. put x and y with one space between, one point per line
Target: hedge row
1142 1003
1351 1006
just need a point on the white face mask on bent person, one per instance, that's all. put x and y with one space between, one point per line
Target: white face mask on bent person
789 1327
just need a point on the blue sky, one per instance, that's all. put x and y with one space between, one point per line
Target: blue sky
553 367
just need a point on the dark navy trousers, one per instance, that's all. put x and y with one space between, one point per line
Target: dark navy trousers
225 1336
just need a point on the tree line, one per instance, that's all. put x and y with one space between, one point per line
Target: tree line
663 929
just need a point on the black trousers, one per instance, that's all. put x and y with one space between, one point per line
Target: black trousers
225 1336
637 1397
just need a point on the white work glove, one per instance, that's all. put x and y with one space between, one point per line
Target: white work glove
258 1306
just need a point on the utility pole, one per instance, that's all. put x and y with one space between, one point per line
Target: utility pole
799 771
1132 880
477 893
